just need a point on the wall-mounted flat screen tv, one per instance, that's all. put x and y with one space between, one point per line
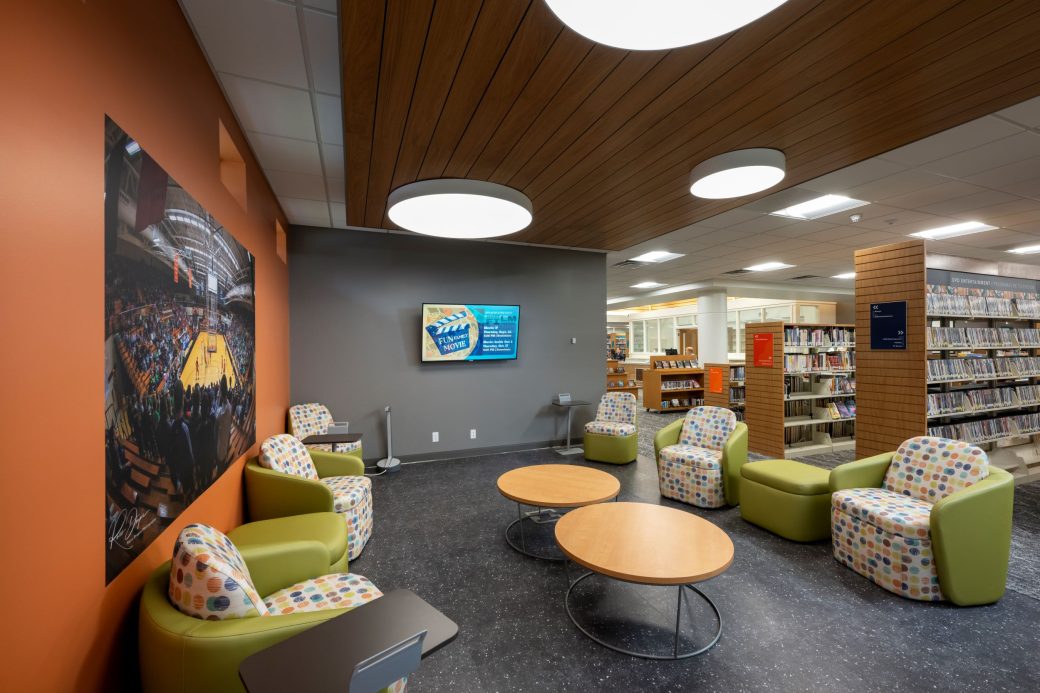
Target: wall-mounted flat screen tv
469 332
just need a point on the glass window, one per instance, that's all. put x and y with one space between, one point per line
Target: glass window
667 327
808 313
685 320
638 340
733 333
653 343
778 313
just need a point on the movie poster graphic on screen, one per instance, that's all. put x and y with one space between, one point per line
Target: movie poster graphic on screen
469 332
179 346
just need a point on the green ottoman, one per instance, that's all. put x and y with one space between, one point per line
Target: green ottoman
788 498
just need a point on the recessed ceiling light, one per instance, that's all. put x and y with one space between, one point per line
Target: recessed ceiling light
737 173
656 256
844 275
459 208
132 147
820 207
768 267
647 285
953 230
1025 250
618 299
659 24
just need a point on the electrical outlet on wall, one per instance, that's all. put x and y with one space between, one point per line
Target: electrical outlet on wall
472 434
436 437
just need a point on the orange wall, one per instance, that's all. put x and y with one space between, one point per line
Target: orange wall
66 63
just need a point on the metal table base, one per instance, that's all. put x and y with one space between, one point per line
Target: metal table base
540 516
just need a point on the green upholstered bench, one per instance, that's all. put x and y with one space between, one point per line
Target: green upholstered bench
326 528
789 498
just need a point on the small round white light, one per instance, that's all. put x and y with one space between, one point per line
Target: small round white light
459 208
742 172
643 25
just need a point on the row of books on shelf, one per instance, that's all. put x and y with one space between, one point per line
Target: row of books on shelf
621 383
796 435
685 384
989 429
615 370
968 337
736 372
685 363
837 409
967 401
676 402
819 336
952 370
802 363
981 306
805 386
736 394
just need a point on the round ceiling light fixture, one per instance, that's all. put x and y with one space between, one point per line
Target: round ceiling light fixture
742 172
647 25
459 208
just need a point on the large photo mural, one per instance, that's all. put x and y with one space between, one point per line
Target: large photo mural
179 349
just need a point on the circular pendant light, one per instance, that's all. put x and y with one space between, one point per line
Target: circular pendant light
459 208
643 25
737 173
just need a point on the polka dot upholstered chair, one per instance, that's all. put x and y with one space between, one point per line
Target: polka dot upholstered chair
289 479
202 613
314 420
699 457
930 521
612 436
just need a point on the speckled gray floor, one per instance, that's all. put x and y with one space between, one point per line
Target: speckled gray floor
794 619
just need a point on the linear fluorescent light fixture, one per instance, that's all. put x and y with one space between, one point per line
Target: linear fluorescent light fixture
1025 250
768 267
738 173
132 147
656 256
820 207
953 230
618 299
647 285
459 208
844 275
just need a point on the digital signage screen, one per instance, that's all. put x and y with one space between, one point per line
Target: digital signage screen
469 332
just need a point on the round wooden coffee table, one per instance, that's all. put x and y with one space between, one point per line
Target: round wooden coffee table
645 544
547 487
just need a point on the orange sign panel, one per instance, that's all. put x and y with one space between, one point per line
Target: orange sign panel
763 344
715 379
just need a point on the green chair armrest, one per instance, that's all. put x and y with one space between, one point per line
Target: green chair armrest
669 435
274 494
734 456
277 566
337 464
971 539
866 473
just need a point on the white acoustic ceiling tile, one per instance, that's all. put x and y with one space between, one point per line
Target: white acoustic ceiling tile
1009 150
327 5
919 199
270 109
251 38
297 185
1027 188
322 36
1026 113
333 156
337 189
897 184
998 178
729 218
1019 211
841 181
766 222
968 205
285 154
330 119
958 139
339 215
998 239
895 219
799 229
306 212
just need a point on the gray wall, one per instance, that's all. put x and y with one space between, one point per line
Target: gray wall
355 334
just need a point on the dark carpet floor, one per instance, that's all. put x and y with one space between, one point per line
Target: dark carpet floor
794 619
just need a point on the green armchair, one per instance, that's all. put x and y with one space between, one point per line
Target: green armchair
931 521
288 479
612 436
699 457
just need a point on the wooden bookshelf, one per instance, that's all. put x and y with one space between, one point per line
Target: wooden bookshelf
940 385
792 397
732 394
659 386
617 373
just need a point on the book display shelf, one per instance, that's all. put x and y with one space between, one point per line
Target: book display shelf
729 392
618 380
800 391
974 348
672 383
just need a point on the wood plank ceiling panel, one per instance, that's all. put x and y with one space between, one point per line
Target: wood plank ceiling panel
603 140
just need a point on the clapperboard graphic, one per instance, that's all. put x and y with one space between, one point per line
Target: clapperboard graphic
450 334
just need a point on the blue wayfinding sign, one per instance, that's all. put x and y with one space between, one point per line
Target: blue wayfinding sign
888 325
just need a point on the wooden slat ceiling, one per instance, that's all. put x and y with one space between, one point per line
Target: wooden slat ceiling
603 140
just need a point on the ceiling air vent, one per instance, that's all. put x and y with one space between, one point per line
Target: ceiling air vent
627 264
736 272
806 276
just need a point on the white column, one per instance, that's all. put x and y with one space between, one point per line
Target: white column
712 345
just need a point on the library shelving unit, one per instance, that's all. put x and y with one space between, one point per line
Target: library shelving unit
618 380
672 388
800 388
971 368
731 395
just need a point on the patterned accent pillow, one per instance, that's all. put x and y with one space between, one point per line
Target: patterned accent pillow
619 407
334 591
209 578
707 427
309 420
932 468
286 454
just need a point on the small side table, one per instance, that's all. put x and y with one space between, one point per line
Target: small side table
332 438
569 406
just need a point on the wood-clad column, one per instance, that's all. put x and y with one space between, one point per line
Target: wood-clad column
764 392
